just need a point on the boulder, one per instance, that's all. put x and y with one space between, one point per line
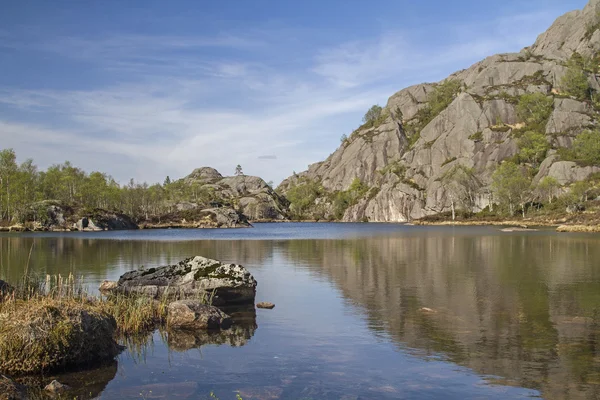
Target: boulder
227 217
266 305
86 225
194 315
10 390
193 278
56 335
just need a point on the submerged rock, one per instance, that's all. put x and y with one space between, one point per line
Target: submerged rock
56 387
192 314
193 277
56 335
10 390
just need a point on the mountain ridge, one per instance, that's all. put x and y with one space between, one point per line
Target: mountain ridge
402 159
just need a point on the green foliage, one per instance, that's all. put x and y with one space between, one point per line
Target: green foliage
462 186
23 187
534 109
376 118
592 27
575 84
344 138
587 147
477 136
347 198
373 114
438 100
585 150
395 167
443 95
238 170
511 186
533 147
547 188
302 196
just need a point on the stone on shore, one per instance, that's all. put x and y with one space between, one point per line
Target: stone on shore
193 278
266 305
193 315
108 286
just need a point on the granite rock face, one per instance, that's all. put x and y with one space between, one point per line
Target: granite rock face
404 170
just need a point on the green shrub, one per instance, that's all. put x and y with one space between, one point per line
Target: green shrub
533 147
477 136
586 147
534 109
575 83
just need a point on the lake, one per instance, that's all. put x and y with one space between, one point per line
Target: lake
363 311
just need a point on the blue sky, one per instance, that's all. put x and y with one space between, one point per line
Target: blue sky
146 89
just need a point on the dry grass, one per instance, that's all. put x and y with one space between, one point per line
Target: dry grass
46 333
51 323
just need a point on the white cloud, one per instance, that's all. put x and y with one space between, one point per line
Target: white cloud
172 108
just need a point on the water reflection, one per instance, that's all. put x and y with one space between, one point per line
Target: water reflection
520 309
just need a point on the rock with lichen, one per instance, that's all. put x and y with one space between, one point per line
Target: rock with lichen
195 277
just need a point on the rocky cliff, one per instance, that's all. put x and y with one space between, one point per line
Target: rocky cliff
471 120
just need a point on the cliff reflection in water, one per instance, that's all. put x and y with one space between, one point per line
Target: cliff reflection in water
522 309
519 308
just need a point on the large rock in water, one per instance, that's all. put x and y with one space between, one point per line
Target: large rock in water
193 278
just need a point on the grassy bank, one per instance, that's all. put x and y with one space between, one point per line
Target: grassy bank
52 323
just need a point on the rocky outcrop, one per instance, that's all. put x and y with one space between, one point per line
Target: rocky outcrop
402 158
194 315
193 278
250 195
52 215
102 220
56 336
195 217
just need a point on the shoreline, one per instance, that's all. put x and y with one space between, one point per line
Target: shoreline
561 225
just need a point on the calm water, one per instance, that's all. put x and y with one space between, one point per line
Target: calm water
512 315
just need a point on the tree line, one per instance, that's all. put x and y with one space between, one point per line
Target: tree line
23 187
